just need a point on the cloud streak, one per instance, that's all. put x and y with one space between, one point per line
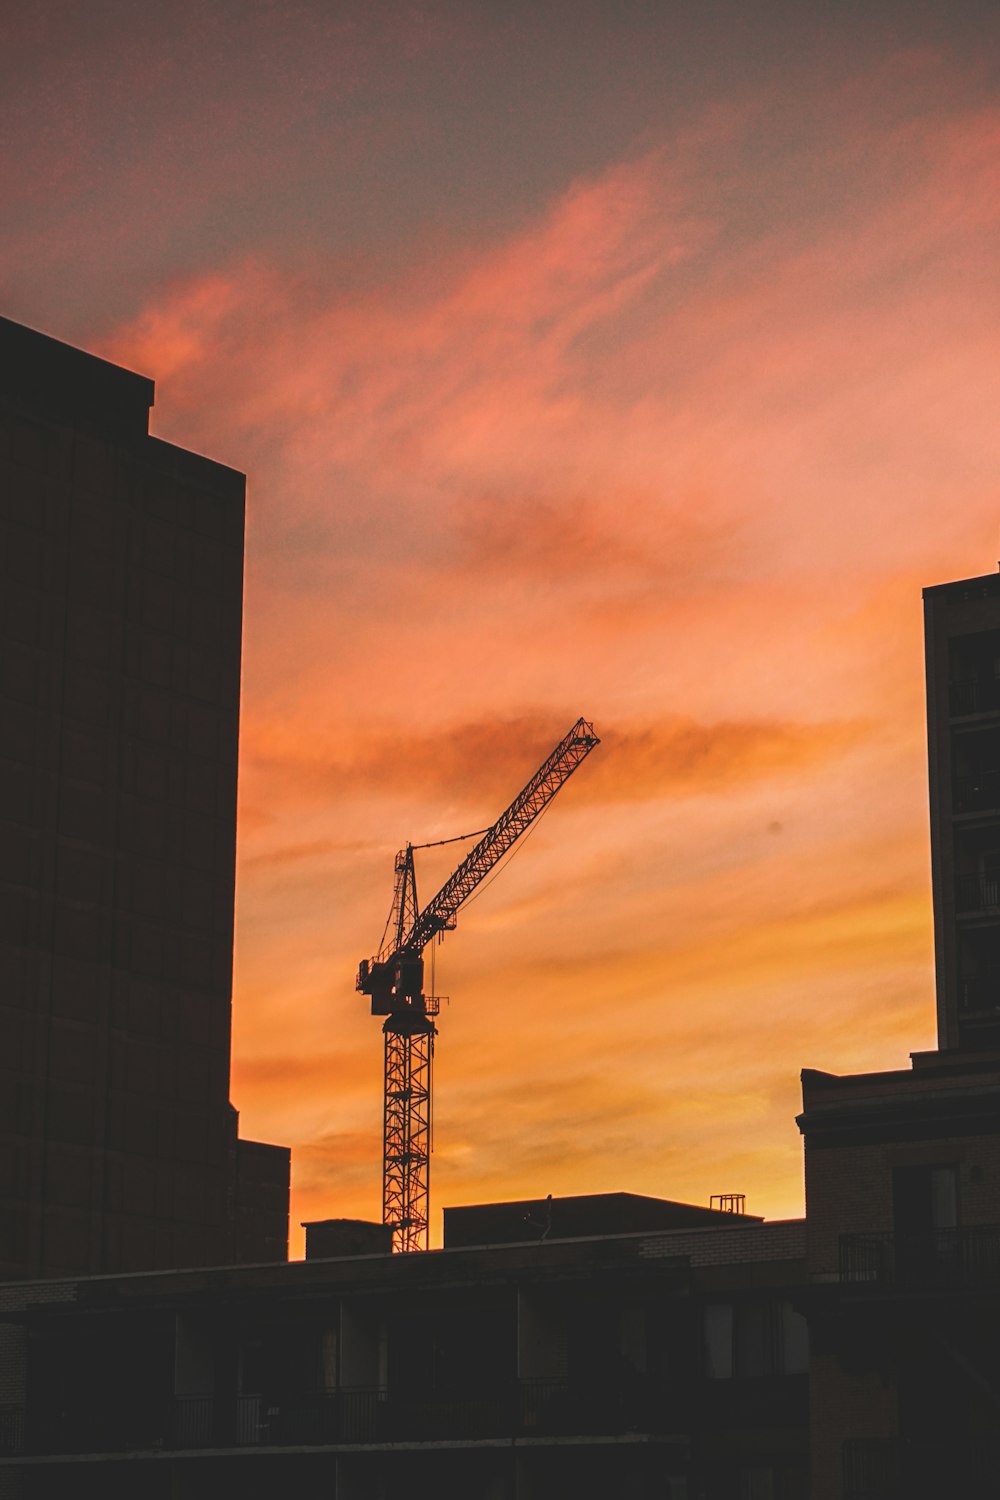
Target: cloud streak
464 763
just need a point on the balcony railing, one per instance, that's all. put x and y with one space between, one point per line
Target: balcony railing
529 1408
977 793
978 892
964 1257
974 695
891 1469
11 1430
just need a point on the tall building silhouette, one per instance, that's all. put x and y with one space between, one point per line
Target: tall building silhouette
963 720
902 1167
122 561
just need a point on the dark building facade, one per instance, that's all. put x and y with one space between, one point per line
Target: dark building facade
568 1218
903 1167
122 561
664 1364
903 1254
963 715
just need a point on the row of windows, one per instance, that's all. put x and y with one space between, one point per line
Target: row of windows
94 881
91 812
78 1115
46 463
34 617
89 1056
83 1050
143 1127
80 989
95 878
755 1337
88 566
130 1242
162 950
153 1188
110 826
31 453
161 776
189 733
974 672
92 694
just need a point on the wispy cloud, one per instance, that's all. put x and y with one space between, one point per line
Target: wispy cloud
467 761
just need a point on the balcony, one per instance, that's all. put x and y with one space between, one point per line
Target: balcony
979 792
954 1259
755 1402
978 893
891 1469
974 695
980 992
526 1408
11 1430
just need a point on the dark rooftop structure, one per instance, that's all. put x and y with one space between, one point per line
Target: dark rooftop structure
584 1215
64 385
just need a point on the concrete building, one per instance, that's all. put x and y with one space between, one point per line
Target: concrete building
122 561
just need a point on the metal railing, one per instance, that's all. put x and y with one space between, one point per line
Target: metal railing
11 1430
893 1469
968 1256
354 1415
215 1421
977 892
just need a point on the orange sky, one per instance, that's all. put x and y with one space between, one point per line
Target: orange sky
583 360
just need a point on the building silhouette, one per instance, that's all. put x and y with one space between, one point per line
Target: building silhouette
903 1167
586 1346
119 719
623 1358
963 702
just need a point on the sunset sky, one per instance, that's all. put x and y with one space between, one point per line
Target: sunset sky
633 360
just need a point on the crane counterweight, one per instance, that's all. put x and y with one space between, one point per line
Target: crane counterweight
394 980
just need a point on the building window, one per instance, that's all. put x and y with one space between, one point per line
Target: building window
761 1336
757 1483
924 1198
719 1340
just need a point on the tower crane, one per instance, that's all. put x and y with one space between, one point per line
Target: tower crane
394 979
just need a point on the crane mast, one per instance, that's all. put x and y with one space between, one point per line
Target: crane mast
394 979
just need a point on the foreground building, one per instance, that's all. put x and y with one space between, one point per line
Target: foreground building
903 1257
122 561
665 1361
903 1168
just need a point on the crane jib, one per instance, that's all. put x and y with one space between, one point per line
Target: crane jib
439 913
394 980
